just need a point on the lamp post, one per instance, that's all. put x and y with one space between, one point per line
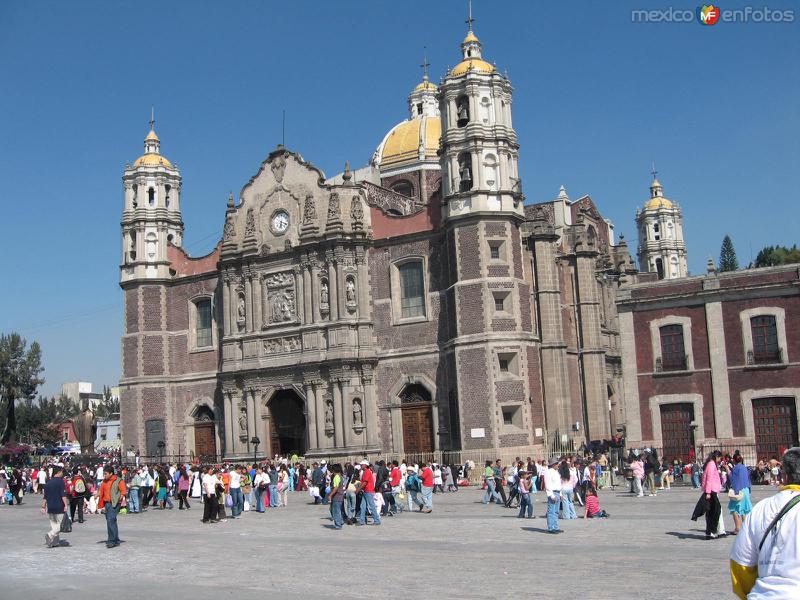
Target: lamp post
161 444
255 441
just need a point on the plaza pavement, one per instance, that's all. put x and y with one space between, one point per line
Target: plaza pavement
648 549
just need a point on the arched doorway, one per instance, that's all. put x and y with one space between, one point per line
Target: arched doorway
417 410
205 442
287 424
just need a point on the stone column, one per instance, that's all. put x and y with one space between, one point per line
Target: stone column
333 290
231 308
338 413
477 170
319 402
341 295
363 287
370 406
720 385
299 304
308 313
258 319
228 415
226 301
347 415
248 301
314 305
251 416
311 415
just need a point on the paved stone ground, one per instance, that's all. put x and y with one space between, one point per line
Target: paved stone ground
648 549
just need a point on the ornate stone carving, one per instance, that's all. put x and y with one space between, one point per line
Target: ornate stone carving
334 211
280 298
278 167
309 210
358 417
242 420
250 226
356 211
282 345
389 201
230 229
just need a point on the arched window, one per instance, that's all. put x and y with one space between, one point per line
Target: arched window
415 393
403 187
412 290
151 196
462 111
167 190
660 268
132 246
465 171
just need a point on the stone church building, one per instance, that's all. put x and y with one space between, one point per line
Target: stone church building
417 304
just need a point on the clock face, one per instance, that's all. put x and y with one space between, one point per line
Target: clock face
280 221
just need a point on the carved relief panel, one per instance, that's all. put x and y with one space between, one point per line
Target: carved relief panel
281 299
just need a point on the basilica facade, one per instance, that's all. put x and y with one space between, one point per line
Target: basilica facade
415 304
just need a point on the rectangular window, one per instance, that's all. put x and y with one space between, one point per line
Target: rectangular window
673 353
412 291
203 325
504 365
512 415
494 251
499 304
765 339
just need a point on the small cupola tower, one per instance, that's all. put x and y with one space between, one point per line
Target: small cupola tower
479 151
662 249
151 217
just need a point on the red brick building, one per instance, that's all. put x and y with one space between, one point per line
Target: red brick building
713 359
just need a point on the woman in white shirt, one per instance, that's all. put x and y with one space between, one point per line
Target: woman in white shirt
283 485
210 504
260 485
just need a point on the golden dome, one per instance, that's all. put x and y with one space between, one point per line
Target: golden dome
426 85
659 202
403 142
476 65
151 159
471 37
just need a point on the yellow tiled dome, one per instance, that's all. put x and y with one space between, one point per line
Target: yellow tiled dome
152 160
657 203
426 85
476 65
402 144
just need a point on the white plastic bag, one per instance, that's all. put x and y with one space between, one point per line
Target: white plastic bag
313 491
246 506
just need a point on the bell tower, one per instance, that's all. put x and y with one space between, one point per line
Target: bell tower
482 210
151 217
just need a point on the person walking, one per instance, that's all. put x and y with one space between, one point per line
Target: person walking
711 486
283 485
110 496
488 476
134 486
367 488
637 468
499 471
183 489
739 504
552 486
261 485
569 479
77 495
427 479
524 490
54 504
210 508
338 492
765 558
235 490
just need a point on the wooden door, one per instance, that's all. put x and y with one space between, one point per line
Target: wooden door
418 429
204 442
775 423
676 430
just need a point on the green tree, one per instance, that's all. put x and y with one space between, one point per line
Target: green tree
727 256
771 256
108 406
20 368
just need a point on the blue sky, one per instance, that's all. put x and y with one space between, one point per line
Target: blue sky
597 98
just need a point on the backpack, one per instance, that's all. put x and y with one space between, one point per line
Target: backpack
80 486
413 483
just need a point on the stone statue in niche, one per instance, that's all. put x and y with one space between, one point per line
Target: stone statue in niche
358 418
250 226
328 415
310 210
350 293
278 167
242 420
241 312
324 297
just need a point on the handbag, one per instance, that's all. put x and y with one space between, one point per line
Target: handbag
66 524
732 495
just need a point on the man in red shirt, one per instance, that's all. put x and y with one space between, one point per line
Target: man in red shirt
427 487
368 495
395 477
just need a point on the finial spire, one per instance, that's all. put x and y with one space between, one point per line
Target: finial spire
425 64
152 118
469 20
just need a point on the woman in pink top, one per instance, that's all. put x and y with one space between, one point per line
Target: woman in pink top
711 486
637 467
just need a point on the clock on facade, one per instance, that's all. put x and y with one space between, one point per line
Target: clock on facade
280 222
